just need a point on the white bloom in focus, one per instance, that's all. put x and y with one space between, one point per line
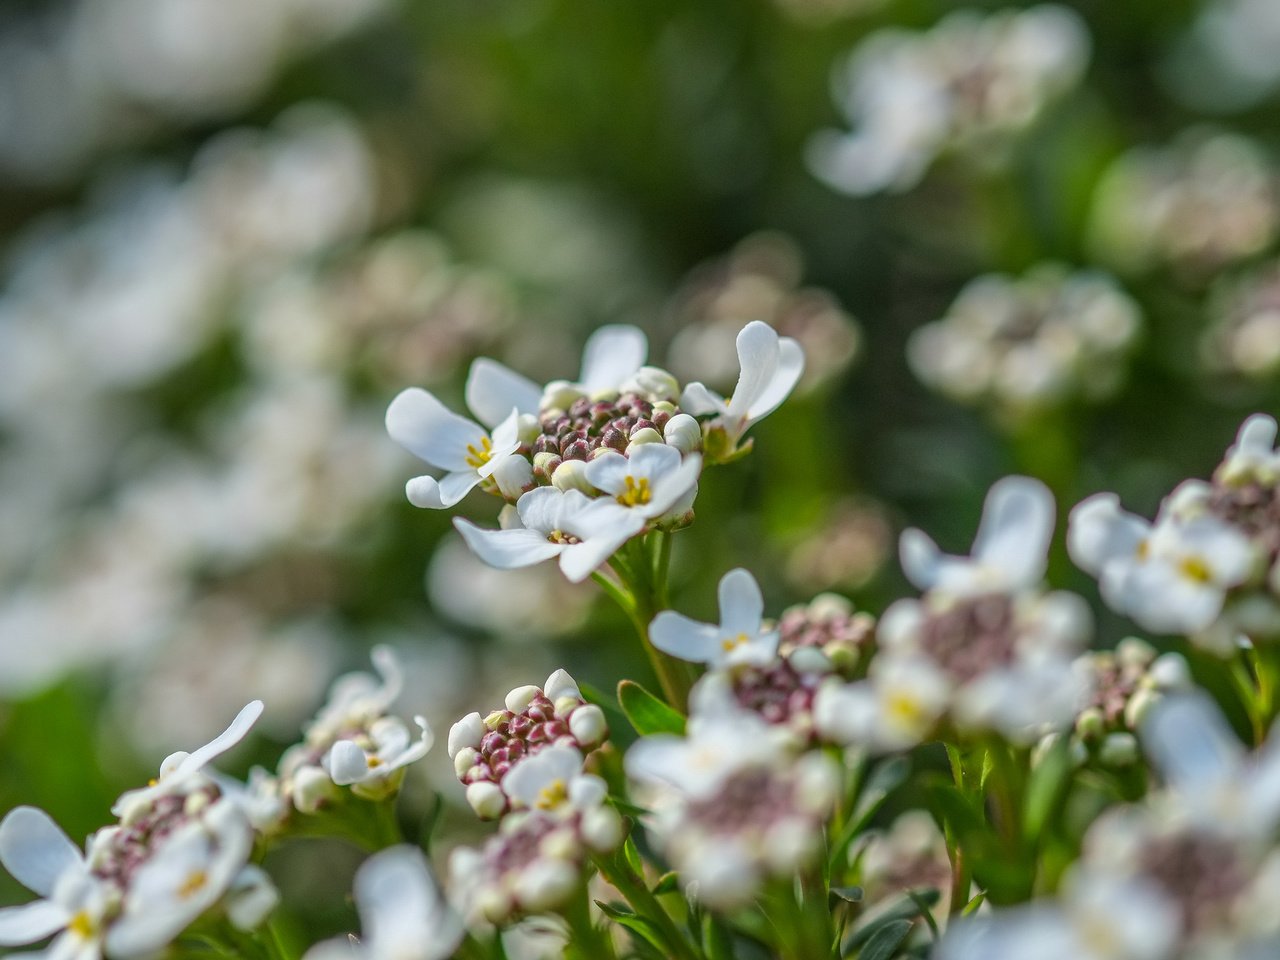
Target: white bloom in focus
650 480
740 637
403 914
464 450
369 763
42 858
769 365
552 781
1010 551
582 532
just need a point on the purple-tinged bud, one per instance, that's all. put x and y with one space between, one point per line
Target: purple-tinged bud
575 450
492 741
559 393
464 760
545 446
645 435
641 424
580 408
572 475
520 726
613 439
544 464
519 699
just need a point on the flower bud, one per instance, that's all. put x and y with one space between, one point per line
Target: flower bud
486 799
587 725
494 720
809 660
1170 672
494 905
572 475
545 884
653 383
312 789
519 698
559 393
1119 750
644 435
601 829
561 684
560 845
1138 705
1091 724
544 465
514 476
467 732
464 760
684 433
527 428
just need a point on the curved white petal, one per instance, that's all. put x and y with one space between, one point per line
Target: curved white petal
35 850
401 908
493 389
1257 435
741 604
1190 743
579 559
1017 525
611 355
542 509
1098 532
758 357
432 494
224 741
671 488
31 922
920 558
531 775
697 401
431 431
786 375
609 471
675 634
347 763
1158 597
507 549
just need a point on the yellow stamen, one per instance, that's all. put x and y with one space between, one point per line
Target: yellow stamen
194 883
478 458
637 492
732 643
552 795
1194 568
559 536
1144 549
82 925
373 762
905 709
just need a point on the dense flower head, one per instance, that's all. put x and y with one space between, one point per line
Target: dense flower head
1024 344
781 691
969 85
485 750
830 624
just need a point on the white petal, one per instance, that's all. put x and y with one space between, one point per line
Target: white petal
31 922
920 558
1098 531
1041 931
224 741
432 494
35 850
677 635
1161 599
541 509
609 471
493 389
785 377
673 487
611 355
698 401
1017 524
758 361
559 685
347 763
431 431
1190 743
507 549
401 907
1257 434
579 560
741 605
531 775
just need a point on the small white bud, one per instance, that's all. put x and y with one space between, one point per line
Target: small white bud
513 475
1142 701
654 383
601 829
1118 750
520 698
572 475
684 433
560 685
809 660
545 884
587 725
647 435
494 905
559 394
195 803
312 789
467 732
464 760
1135 652
486 799
560 845
527 428
1170 672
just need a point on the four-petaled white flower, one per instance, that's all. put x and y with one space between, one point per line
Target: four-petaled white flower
463 449
895 709
582 532
1253 455
403 914
42 858
1170 577
1010 550
740 636
652 480
770 366
552 781
371 765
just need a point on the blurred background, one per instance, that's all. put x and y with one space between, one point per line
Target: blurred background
1012 238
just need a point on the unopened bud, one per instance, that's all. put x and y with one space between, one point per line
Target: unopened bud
642 436
1170 672
561 684
250 898
572 475
1135 652
654 384
1119 750
312 789
545 884
494 905
1091 724
684 433
527 428
464 760
467 732
486 799
514 476
560 845
601 829
519 698
587 725
544 465
1138 705
195 803
559 394
809 660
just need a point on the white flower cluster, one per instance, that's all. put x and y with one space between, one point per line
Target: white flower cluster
1189 873
1206 567
588 464
969 85
985 647
1243 336
1204 201
1030 343
180 849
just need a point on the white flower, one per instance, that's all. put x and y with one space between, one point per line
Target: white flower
582 532
464 450
370 769
770 366
1172 577
612 355
180 770
188 873
740 636
716 747
650 480
42 858
1254 454
1009 552
552 780
357 699
893 710
402 912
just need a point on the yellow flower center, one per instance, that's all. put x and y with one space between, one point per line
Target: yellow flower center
479 457
82 925
637 492
194 883
732 643
1194 568
906 710
552 795
374 762
559 536
1144 549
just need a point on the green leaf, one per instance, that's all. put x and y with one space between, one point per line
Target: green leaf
974 904
906 909
847 894
632 855
884 943
1048 780
645 930
667 883
647 713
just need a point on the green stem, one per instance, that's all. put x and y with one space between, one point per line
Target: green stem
587 941
637 893
961 877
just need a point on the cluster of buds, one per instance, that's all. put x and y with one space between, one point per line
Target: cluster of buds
1197 205
781 691
733 806
1029 343
1244 335
484 750
353 742
538 858
969 85
828 623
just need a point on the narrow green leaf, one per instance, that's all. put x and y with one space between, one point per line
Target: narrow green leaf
644 929
647 713
973 904
908 908
886 941
1048 779
847 894
667 883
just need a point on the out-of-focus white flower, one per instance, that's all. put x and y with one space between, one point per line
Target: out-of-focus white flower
769 368
1009 553
403 913
781 692
740 637
371 763
1126 683
582 532
1244 333
651 480
970 84
894 710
